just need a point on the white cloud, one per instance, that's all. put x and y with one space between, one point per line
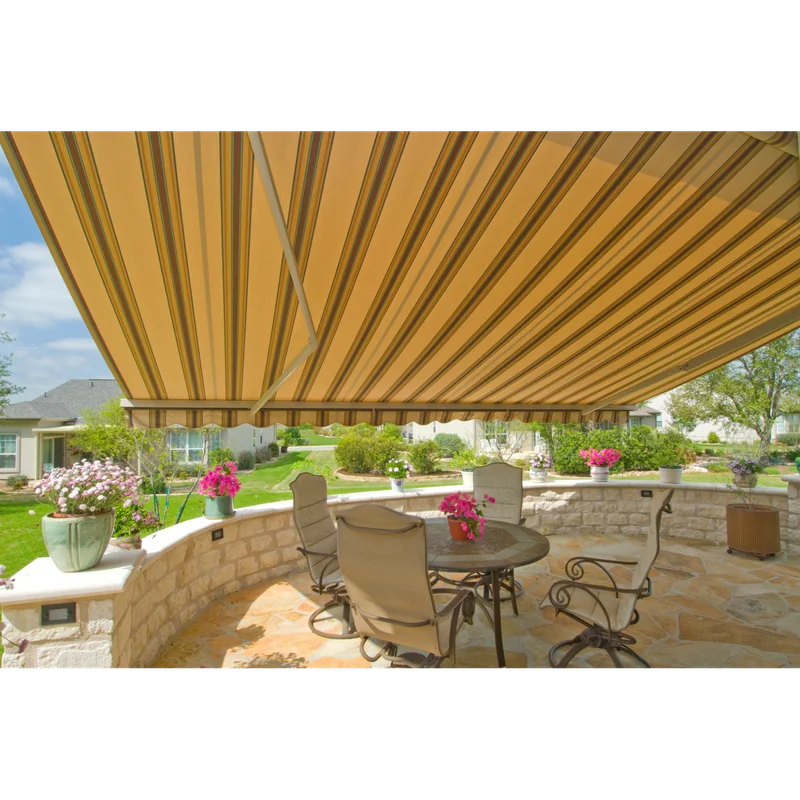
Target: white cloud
6 187
3 159
74 345
39 297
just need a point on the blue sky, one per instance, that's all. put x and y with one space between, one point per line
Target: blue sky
51 343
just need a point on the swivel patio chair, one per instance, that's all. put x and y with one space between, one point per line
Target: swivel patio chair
384 560
317 531
504 483
607 609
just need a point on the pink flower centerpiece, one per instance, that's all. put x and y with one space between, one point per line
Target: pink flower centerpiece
465 515
600 462
220 486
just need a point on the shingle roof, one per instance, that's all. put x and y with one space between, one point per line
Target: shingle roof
66 401
645 411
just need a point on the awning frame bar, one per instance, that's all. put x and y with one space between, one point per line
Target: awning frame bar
262 162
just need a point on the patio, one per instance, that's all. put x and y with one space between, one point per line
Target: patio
708 609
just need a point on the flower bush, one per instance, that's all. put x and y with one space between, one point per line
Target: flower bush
133 519
463 507
398 468
601 458
5 583
540 461
220 481
744 466
89 487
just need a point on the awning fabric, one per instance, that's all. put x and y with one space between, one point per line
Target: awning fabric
552 276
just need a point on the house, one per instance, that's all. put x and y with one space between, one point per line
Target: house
645 415
485 437
34 433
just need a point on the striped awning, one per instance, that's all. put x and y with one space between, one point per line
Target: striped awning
285 277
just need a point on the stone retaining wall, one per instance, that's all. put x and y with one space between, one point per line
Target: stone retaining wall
183 570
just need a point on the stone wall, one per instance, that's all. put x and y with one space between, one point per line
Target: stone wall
183 570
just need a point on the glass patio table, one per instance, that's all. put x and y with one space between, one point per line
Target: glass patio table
504 546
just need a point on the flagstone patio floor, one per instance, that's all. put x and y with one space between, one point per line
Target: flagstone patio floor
708 609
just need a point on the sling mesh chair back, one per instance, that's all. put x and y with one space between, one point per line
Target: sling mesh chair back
384 560
504 483
317 531
603 603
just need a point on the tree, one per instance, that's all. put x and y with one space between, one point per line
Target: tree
7 389
505 439
751 391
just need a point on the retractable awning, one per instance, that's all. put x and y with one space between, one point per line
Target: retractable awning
285 277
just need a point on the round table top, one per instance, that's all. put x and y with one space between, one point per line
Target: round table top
503 546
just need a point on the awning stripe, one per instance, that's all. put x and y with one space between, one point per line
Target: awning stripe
448 165
157 157
644 148
513 164
687 161
79 170
314 151
692 205
380 173
35 204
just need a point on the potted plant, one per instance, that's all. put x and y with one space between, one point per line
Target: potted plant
797 463
465 515
83 496
397 470
745 472
540 463
466 460
220 486
600 462
670 474
752 528
131 522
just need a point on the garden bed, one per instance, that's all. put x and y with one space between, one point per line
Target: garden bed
369 477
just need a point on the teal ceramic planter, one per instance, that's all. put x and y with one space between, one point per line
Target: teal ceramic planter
219 507
77 543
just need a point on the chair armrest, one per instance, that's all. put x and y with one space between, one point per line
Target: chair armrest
313 553
575 571
331 560
460 596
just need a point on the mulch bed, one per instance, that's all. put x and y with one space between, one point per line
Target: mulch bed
366 476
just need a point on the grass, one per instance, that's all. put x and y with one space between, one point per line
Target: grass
723 478
316 439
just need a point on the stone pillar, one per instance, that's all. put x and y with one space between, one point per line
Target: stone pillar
793 529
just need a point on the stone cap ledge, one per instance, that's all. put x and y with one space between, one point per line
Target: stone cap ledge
791 478
42 582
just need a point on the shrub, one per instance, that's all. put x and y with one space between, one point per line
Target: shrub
392 431
354 453
17 481
708 451
449 444
306 426
717 468
246 460
713 438
337 429
292 437
274 450
219 456
156 484
189 470
771 471
423 456
262 454
364 429
792 439
315 468
792 455
384 448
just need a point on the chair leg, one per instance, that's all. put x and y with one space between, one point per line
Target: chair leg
513 591
348 631
625 649
578 644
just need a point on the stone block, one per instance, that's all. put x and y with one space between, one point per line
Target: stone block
289 554
278 522
287 537
200 586
177 600
122 630
157 618
269 559
166 586
222 575
264 541
593 519
712 512
13 660
252 527
176 557
71 656
201 543
210 560
234 552
189 571
246 566
639 519
231 586
156 570
25 620
617 519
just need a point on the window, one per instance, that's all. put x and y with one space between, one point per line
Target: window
635 422
791 424
8 451
186 446
659 423
496 432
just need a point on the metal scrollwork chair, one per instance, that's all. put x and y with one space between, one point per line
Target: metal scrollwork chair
607 609
383 555
317 530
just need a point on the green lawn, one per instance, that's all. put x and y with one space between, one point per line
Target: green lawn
723 478
316 439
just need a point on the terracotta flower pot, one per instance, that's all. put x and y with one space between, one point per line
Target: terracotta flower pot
456 531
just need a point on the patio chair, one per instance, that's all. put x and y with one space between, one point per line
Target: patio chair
317 531
384 560
504 483
606 608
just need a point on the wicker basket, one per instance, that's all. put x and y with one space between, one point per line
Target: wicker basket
753 529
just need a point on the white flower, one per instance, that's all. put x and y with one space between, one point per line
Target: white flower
31 512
